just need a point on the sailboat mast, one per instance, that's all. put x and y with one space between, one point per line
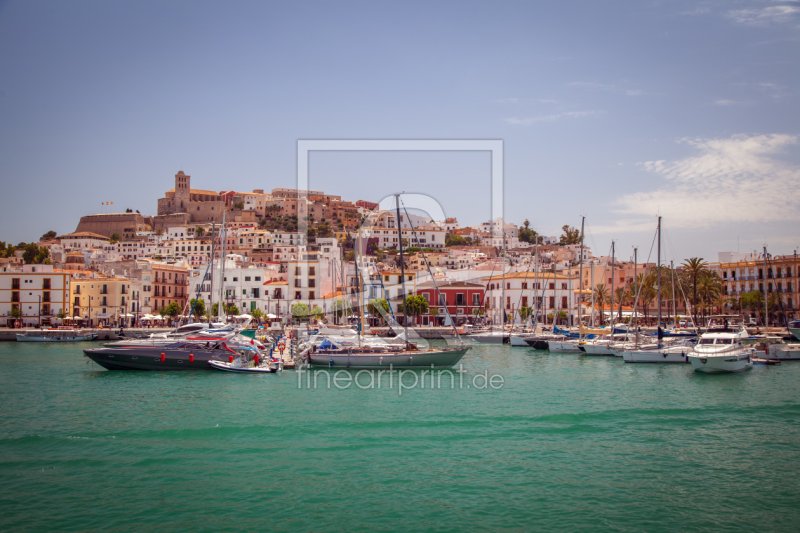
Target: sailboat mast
580 282
536 281
658 285
221 304
503 266
403 269
674 303
592 283
766 295
211 287
634 318
612 288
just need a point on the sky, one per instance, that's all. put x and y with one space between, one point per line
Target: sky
614 111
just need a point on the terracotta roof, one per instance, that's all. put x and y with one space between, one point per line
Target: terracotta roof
529 276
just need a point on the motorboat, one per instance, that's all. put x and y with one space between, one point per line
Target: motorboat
192 351
56 335
247 364
794 329
720 348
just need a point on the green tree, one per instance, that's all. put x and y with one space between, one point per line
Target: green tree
197 307
15 313
114 238
300 311
693 269
317 313
200 231
525 312
454 240
375 306
570 236
238 205
416 306
339 308
601 299
172 310
257 314
49 236
34 255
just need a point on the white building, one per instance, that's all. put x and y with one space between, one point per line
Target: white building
38 291
551 293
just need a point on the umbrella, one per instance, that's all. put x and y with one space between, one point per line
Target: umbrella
270 315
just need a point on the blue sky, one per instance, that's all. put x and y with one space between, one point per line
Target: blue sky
613 110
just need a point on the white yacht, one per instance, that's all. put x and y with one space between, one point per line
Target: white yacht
720 348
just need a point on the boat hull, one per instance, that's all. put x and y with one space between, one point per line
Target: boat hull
150 358
518 341
597 349
435 358
732 362
21 337
654 356
226 366
489 339
563 347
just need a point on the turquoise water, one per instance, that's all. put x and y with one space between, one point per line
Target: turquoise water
568 443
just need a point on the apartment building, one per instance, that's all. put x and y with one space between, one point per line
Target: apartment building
39 292
100 299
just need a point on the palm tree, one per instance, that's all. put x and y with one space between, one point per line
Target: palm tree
601 298
693 268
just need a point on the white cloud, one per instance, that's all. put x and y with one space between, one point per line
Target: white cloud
730 181
610 87
556 116
764 16
726 102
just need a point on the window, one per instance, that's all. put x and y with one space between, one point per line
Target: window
552 302
298 295
476 299
564 286
311 271
258 278
46 296
235 279
247 278
77 289
508 286
312 282
508 302
46 284
552 287
524 286
297 283
297 271
564 302
524 301
460 299
15 284
311 295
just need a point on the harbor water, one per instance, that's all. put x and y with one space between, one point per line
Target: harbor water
560 443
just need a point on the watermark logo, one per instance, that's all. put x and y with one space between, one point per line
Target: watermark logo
400 380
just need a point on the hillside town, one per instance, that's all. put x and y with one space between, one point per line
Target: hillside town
291 255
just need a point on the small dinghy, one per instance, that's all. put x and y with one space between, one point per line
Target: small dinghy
243 363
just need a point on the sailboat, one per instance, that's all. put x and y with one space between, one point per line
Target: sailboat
403 354
660 352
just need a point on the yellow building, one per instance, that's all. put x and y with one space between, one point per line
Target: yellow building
100 299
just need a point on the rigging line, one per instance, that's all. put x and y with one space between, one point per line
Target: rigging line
591 237
640 285
433 278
